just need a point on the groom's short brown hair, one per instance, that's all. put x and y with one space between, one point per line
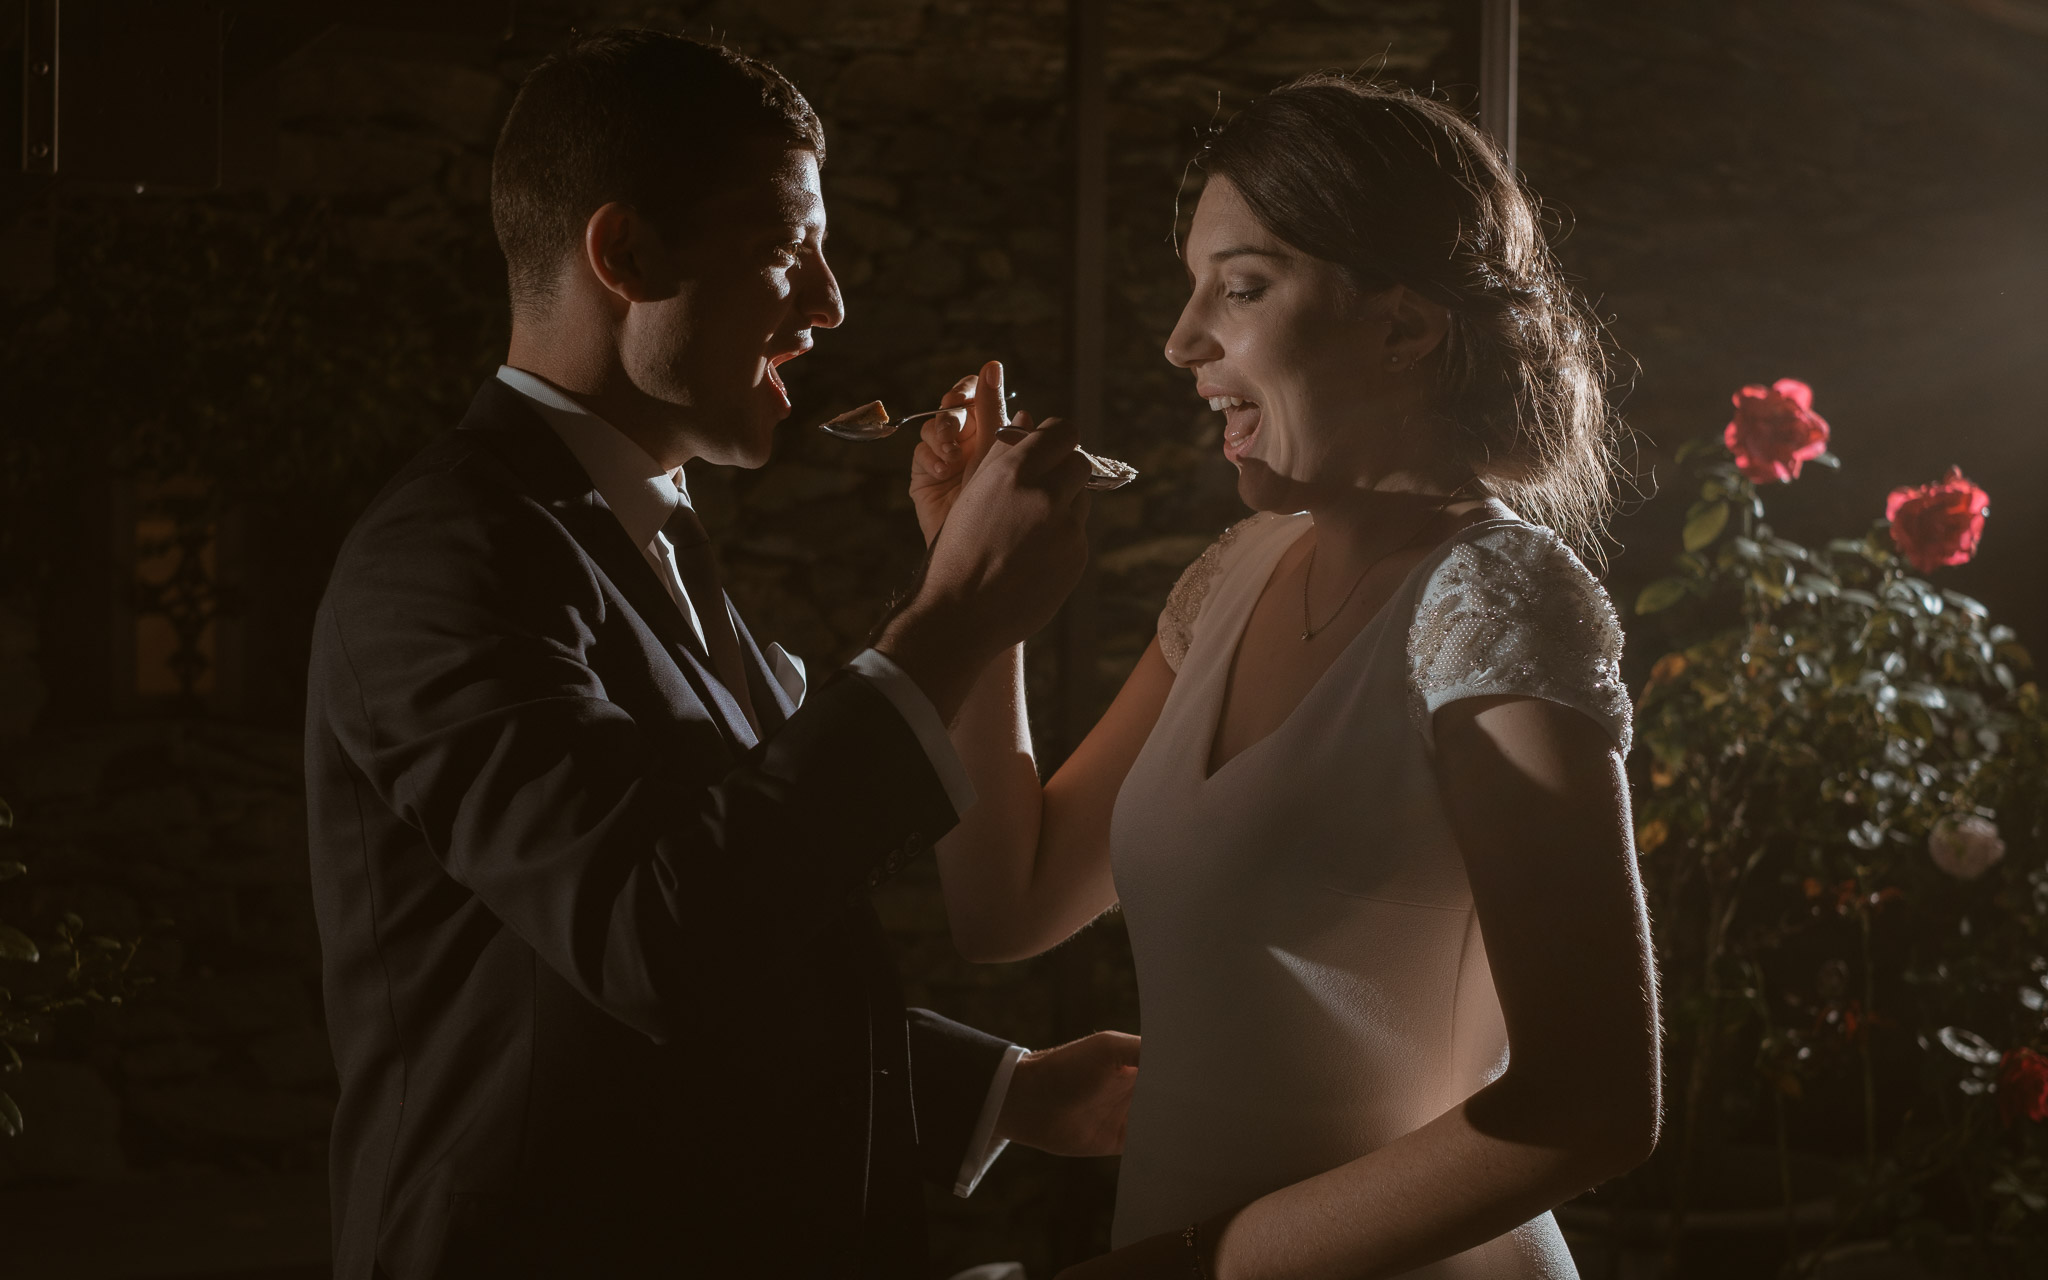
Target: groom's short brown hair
644 118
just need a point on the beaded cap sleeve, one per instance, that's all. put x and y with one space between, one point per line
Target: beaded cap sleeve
1513 612
1184 605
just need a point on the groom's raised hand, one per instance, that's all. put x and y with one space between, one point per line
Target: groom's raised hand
1072 1101
1015 543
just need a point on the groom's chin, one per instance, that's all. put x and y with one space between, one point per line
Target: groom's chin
748 448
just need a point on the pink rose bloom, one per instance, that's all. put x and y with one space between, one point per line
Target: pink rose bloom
1938 524
1775 429
1965 847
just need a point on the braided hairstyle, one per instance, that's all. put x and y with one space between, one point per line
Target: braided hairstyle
1395 188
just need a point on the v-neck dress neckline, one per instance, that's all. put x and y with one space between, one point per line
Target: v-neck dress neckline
1240 622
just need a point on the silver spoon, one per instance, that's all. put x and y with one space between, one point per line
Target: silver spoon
860 424
871 422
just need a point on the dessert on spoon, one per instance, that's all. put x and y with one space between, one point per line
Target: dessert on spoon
871 421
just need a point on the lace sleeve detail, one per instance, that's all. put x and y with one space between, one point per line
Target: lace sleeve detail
1516 613
1184 605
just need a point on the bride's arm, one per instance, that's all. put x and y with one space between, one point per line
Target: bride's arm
1029 865
1539 806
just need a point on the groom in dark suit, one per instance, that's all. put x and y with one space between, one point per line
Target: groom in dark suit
590 864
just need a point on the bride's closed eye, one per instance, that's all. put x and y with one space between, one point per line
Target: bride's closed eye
1244 292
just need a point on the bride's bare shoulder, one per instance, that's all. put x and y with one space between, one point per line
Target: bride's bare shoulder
1184 604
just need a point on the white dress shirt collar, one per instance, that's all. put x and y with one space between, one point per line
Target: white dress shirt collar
643 497
633 485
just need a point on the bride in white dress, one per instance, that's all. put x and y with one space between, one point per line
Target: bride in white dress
1361 800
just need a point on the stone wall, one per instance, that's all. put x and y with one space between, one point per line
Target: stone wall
1837 194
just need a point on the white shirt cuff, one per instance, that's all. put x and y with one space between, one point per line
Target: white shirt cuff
923 718
983 1147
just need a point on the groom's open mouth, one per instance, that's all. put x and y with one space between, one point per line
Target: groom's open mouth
775 360
1240 422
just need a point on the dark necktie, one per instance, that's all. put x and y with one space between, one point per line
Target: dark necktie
698 569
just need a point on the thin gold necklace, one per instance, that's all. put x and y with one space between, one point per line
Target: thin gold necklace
1309 632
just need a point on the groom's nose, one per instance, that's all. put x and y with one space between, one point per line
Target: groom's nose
818 294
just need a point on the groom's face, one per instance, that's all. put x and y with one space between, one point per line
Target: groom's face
750 283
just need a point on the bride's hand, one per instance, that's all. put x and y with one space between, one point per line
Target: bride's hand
953 444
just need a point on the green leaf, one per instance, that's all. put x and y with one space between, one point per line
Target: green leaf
10 1116
1660 595
1705 525
1827 460
16 945
1972 607
1925 695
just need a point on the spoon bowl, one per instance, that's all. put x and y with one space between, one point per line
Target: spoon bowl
1105 474
855 429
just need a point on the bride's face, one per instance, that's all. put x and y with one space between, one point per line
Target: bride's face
1314 380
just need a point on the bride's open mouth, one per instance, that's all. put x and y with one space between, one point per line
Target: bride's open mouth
1241 419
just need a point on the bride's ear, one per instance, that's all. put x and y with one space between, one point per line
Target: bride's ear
1415 328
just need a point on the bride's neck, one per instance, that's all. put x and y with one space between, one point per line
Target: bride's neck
1358 526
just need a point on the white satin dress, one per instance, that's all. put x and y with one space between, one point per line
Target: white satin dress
1312 983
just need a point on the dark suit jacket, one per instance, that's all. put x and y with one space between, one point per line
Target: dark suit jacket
606 993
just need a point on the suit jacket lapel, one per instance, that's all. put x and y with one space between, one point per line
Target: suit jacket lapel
559 482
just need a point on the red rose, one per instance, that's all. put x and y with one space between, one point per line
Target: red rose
1775 429
2022 1086
1940 523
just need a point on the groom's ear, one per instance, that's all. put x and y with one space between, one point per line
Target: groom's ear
627 255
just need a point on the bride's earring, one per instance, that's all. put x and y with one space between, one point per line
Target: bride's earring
1393 362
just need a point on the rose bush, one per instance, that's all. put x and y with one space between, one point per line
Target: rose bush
1839 786
83 969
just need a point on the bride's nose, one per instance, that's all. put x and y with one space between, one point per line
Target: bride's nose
1190 343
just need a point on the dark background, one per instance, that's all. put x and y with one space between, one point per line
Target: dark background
1851 192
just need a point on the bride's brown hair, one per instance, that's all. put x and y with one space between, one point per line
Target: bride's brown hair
1395 188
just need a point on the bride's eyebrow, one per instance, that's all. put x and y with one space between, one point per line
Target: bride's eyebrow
1235 251
1247 251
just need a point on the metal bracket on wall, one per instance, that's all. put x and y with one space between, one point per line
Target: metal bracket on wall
1087 332
1499 56
39 87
